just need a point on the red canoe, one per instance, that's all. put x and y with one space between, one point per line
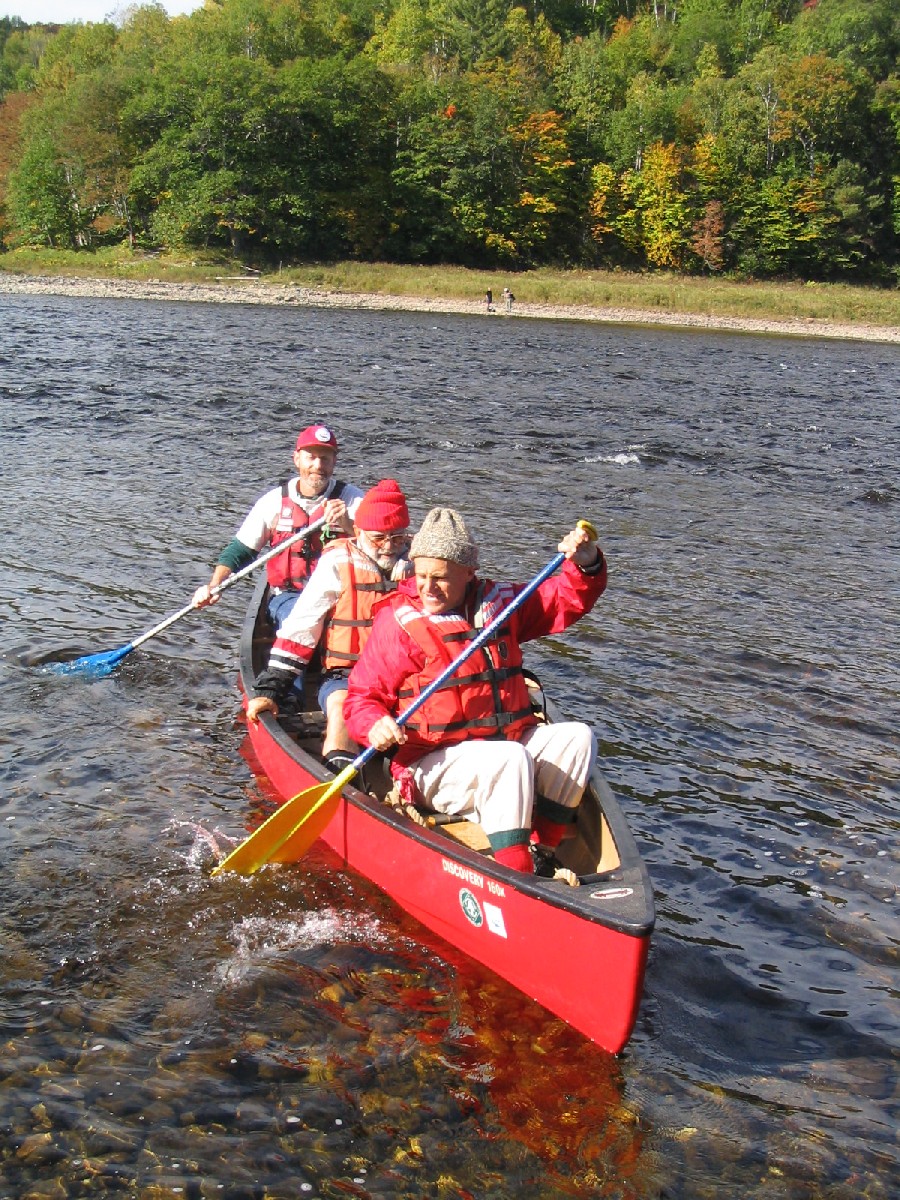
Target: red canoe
578 950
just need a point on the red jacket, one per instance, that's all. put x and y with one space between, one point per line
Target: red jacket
394 666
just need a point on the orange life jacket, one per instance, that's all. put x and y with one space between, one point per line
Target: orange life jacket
486 697
290 571
363 583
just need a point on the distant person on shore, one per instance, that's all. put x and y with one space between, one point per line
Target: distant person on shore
489 300
312 493
349 579
475 748
508 298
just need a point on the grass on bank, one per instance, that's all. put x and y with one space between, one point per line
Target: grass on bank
663 292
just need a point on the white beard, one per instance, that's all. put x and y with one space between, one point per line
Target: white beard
387 562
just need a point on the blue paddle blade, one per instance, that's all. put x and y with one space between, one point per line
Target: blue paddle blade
96 666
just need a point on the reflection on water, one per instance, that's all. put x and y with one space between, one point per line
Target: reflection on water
166 1034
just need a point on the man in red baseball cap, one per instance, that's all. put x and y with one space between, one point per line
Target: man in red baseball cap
312 493
349 580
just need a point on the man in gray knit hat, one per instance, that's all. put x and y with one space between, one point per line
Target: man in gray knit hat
475 748
444 535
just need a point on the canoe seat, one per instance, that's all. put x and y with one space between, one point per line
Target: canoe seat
469 833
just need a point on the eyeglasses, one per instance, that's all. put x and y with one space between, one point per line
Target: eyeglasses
384 539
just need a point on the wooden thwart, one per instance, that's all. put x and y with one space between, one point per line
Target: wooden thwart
469 833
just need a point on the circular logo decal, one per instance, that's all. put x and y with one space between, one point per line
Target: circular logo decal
322 434
470 907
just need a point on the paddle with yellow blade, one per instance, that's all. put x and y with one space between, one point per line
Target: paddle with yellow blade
99 665
292 829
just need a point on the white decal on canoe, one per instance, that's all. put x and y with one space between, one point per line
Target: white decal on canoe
471 877
494 917
615 893
470 907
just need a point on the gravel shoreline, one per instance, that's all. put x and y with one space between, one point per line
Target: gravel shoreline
250 291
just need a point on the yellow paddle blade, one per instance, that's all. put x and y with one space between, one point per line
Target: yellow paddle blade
309 828
264 844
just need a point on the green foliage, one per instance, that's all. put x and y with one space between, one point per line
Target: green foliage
648 115
76 50
480 174
752 136
21 53
863 35
703 25
40 199
473 31
403 39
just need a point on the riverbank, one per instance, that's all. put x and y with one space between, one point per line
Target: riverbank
248 290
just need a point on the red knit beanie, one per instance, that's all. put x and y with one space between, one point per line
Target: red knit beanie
383 509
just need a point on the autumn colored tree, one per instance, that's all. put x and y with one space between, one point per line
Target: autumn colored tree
12 109
708 236
815 97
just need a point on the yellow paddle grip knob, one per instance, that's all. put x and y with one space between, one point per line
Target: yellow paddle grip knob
588 528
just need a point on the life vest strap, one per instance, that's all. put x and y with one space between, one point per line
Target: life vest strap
341 656
497 721
490 675
381 585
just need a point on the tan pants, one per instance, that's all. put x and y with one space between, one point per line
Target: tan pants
495 782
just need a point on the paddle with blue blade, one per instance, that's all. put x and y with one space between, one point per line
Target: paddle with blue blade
96 666
292 828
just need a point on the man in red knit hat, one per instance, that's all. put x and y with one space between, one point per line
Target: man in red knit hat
312 493
352 575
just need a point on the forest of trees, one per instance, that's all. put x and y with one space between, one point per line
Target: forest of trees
759 138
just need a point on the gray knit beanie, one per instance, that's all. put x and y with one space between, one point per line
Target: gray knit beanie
444 535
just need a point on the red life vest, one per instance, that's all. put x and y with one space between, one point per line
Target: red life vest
363 583
486 697
290 571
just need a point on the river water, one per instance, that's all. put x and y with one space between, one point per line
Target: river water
166 1034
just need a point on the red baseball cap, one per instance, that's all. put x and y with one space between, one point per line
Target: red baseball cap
317 437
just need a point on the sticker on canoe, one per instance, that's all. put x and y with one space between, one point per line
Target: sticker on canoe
494 917
470 907
613 893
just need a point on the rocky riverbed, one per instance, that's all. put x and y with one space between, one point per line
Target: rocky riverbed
239 290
